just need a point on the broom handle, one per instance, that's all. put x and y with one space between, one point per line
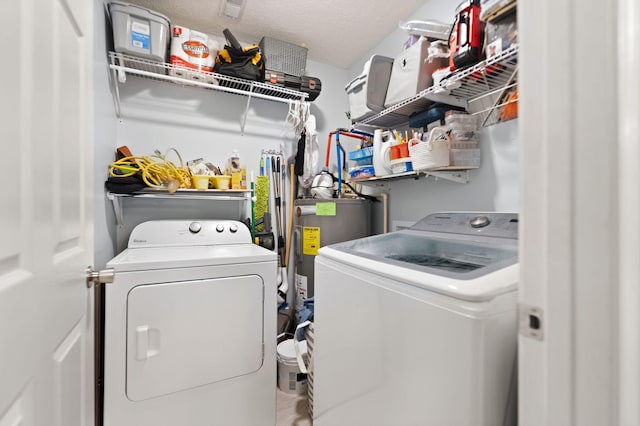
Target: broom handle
292 196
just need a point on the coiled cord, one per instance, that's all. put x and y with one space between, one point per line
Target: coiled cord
155 169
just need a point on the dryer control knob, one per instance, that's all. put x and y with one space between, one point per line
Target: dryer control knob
233 228
195 227
219 227
479 222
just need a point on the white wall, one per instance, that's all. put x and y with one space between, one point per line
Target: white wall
492 187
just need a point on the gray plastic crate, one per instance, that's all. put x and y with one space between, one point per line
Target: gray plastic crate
285 57
140 32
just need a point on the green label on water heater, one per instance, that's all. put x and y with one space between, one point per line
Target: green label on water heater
325 209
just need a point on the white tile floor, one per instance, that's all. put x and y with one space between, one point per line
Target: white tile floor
292 410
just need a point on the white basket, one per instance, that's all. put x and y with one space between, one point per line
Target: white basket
306 368
433 153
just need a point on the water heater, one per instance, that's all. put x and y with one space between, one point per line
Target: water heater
319 222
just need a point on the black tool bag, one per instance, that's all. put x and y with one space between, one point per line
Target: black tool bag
281 79
312 86
236 61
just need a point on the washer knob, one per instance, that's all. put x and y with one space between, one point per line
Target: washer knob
233 228
195 227
479 222
220 227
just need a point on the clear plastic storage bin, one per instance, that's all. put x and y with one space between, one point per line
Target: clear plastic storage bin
368 91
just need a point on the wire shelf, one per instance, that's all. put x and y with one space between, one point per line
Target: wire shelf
123 65
180 194
475 88
208 80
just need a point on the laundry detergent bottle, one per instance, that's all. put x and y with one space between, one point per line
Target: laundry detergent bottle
382 141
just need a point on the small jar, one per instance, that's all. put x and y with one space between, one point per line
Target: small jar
234 162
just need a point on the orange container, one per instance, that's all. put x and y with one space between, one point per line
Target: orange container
400 150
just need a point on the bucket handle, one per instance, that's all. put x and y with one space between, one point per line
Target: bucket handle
303 368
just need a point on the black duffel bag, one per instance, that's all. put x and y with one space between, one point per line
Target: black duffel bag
236 61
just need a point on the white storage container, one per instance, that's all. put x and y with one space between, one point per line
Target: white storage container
431 29
368 91
140 32
290 379
413 68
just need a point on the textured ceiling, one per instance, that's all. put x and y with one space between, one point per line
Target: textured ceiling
336 32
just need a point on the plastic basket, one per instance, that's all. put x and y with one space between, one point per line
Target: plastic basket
284 57
430 155
362 157
433 153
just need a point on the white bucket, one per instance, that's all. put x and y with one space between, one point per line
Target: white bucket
290 379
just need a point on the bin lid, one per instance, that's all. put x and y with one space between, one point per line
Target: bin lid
287 351
132 9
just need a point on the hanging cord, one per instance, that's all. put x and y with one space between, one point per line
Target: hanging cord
355 191
156 171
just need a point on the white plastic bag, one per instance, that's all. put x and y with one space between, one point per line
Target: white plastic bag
311 154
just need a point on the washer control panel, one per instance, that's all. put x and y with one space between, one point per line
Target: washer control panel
166 233
491 224
479 222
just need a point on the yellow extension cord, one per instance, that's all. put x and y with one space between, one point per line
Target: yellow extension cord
155 169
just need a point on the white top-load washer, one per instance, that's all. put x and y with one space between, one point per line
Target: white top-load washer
190 328
418 327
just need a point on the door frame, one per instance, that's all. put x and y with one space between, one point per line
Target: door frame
579 233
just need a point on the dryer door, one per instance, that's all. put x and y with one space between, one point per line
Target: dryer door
182 335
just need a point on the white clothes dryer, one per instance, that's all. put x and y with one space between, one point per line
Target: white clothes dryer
418 327
190 328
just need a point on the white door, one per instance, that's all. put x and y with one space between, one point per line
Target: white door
45 213
580 237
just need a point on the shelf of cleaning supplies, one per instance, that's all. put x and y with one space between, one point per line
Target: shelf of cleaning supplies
123 65
457 174
180 194
480 89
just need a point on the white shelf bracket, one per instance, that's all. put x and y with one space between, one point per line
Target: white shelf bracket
117 208
116 91
459 176
246 111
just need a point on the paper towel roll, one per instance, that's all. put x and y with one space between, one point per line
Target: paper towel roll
192 51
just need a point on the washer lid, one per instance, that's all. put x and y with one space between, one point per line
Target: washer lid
471 256
448 255
480 285
143 259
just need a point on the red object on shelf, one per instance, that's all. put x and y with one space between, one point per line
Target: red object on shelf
465 41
